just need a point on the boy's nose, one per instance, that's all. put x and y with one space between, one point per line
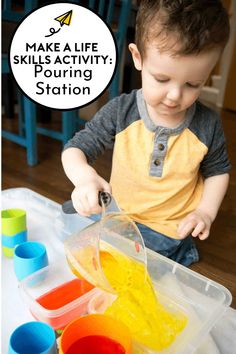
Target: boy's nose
174 94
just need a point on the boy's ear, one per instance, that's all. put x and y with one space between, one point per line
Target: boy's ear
136 56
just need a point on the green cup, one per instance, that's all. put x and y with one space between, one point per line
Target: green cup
13 223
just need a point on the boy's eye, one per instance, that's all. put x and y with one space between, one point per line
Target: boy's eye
192 85
161 80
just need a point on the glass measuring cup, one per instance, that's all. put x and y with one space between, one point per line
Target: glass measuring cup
115 234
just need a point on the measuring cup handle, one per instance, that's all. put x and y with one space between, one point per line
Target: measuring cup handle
68 208
104 198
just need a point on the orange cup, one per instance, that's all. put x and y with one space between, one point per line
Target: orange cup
96 327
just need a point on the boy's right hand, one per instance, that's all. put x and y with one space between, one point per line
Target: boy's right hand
85 195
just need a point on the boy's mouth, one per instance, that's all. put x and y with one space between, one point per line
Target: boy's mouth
169 106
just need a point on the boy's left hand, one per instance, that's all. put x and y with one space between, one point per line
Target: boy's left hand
197 223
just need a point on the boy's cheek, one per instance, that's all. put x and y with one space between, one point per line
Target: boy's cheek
152 96
190 98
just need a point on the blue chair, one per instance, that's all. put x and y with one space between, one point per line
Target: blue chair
27 137
111 11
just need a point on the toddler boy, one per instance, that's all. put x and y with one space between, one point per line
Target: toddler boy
170 166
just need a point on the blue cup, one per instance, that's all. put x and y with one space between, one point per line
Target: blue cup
33 338
28 258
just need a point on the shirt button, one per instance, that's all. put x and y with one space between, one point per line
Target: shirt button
161 147
157 162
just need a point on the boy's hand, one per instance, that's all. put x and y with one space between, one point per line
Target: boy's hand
197 223
85 194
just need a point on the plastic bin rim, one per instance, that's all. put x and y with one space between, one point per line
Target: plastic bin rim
30 192
57 312
221 288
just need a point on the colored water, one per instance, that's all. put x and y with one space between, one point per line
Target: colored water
64 294
137 304
96 345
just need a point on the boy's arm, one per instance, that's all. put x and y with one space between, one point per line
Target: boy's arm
198 222
82 150
86 181
75 165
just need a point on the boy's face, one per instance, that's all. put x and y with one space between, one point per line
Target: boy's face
172 84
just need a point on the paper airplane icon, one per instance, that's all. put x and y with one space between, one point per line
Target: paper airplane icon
64 19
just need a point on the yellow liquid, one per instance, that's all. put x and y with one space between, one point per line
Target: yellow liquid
137 304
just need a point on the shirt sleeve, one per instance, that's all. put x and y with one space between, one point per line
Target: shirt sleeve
216 161
98 134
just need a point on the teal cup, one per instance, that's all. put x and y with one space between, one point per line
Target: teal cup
28 258
33 338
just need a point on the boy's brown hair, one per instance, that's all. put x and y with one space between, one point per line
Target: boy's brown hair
197 25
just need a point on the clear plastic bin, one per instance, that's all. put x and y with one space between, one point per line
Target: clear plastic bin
55 296
204 300
67 224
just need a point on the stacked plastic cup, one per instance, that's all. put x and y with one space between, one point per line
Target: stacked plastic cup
96 334
14 230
